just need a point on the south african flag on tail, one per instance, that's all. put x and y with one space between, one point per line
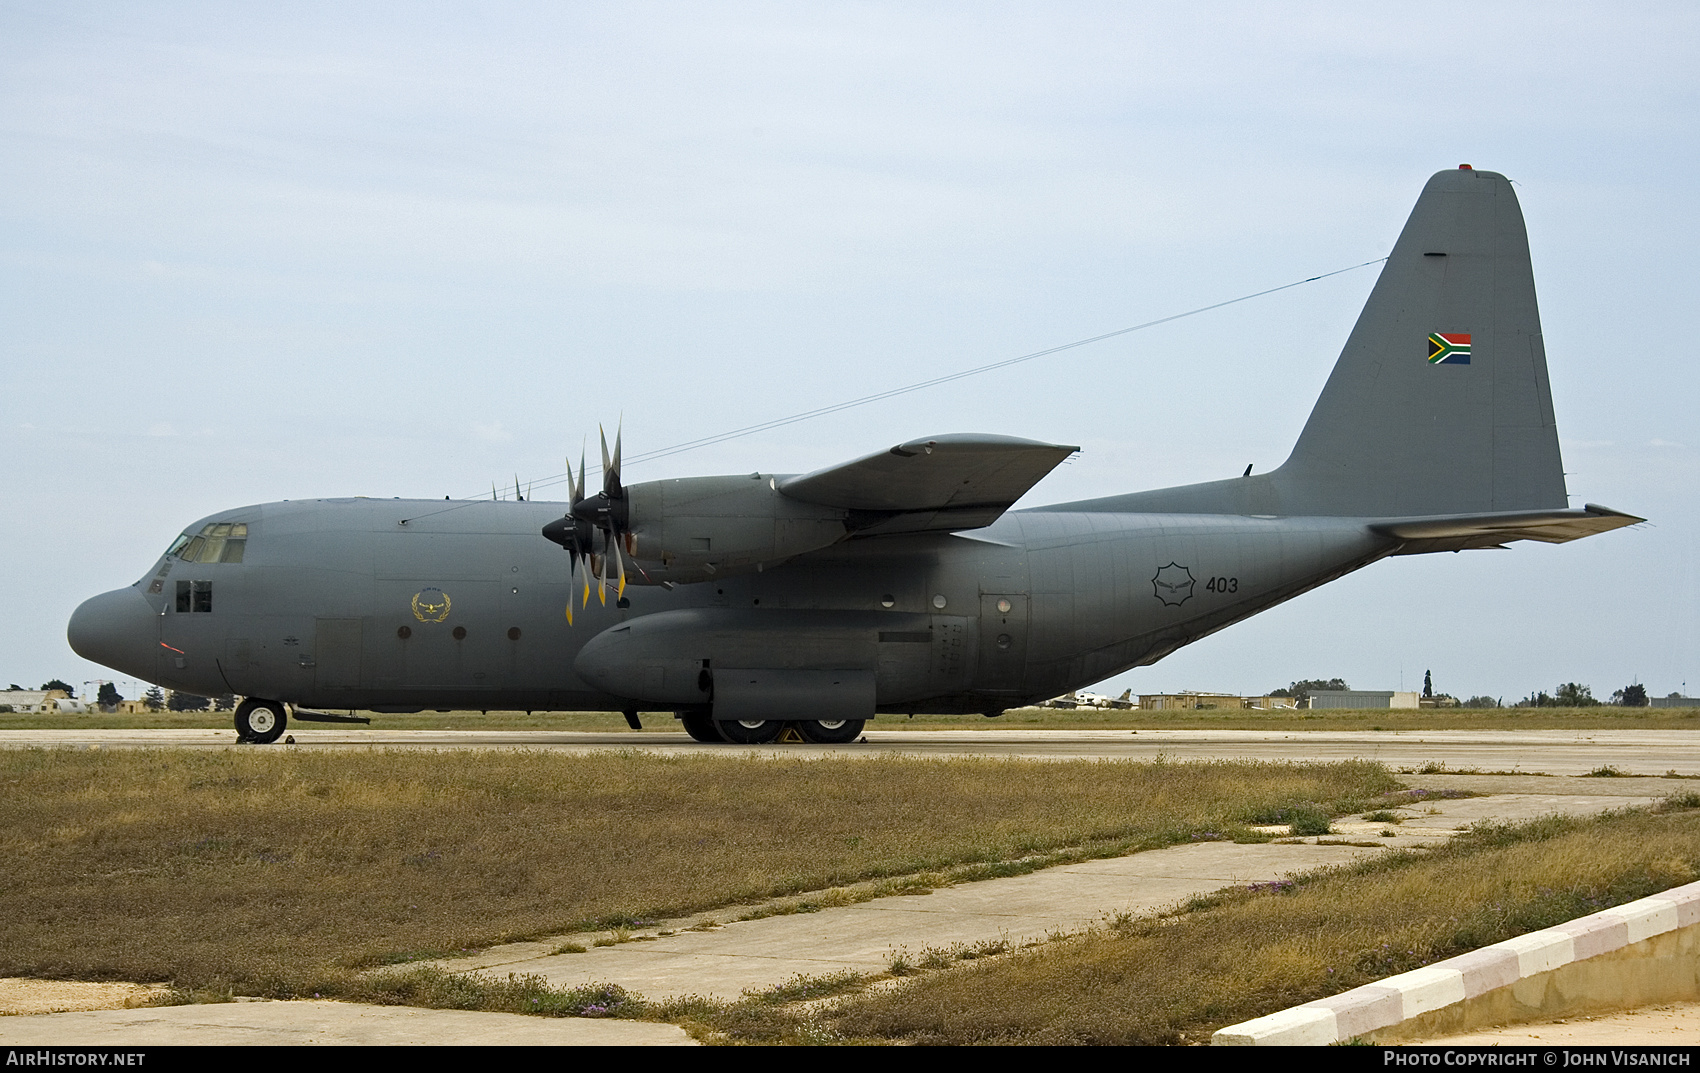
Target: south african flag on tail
1449 348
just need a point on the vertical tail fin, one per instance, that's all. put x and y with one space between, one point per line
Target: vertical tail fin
1439 403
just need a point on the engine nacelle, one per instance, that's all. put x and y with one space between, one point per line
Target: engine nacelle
697 528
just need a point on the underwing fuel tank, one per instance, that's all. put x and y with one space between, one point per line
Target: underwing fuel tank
780 664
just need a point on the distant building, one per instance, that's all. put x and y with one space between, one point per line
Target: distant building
1673 701
1363 698
33 701
1193 700
44 701
1187 701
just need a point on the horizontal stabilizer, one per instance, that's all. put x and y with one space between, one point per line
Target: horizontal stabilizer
1462 531
966 480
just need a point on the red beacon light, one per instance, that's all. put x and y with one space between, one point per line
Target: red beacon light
1465 167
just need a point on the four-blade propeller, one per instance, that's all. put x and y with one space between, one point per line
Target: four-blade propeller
607 512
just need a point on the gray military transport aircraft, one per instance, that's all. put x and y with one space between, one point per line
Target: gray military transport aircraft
898 582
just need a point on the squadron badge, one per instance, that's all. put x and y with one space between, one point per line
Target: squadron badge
430 605
1173 584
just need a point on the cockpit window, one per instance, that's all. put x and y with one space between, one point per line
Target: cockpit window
217 542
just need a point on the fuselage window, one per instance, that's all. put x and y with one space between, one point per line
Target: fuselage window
217 542
194 596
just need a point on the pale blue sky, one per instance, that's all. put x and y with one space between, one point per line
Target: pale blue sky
250 254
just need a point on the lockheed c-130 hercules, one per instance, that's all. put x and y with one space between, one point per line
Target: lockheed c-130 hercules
898 582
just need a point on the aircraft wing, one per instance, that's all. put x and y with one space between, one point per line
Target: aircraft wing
952 482
1463 531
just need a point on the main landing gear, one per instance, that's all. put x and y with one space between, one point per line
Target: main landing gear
750 731
701 725
260 722
831 731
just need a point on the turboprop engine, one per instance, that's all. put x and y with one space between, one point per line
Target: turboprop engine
695 528
687 529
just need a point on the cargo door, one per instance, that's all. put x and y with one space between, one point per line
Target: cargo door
336 649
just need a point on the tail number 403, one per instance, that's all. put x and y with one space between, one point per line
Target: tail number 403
1222 584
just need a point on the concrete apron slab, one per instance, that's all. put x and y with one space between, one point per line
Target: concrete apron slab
230 1024
757 954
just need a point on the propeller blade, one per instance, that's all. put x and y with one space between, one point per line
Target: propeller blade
572 569
586 516
620 561
614 474
602 574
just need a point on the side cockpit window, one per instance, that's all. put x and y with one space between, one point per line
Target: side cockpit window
217 542
194 596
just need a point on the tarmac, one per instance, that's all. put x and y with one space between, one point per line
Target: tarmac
1675 1024
719 955
249 1024
1554 752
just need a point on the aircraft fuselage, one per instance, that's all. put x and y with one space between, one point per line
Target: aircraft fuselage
337 604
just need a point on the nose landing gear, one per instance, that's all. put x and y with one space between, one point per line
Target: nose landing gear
260 722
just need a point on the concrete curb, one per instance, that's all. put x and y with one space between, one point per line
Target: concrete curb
1399 998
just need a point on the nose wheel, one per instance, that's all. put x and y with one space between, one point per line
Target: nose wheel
260 722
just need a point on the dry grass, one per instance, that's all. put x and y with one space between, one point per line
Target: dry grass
282 872
1252 952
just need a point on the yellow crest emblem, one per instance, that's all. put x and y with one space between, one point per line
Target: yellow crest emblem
431 605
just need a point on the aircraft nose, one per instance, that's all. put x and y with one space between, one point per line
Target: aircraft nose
116 629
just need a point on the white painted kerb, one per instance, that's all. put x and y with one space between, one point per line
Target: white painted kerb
1367 1008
